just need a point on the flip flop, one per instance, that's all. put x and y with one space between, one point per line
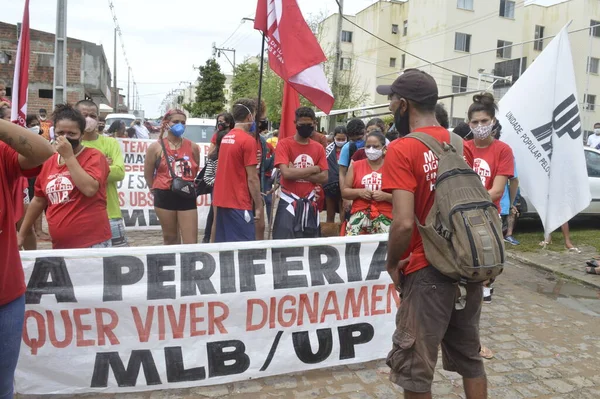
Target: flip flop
574 250
592 270
544 244
592 263
486 353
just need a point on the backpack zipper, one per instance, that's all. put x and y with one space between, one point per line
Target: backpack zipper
496 235
471 241
471 206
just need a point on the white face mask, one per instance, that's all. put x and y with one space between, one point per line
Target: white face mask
482 132
597 131
373 154
35 129
341 143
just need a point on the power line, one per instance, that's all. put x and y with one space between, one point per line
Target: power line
111 6
230 36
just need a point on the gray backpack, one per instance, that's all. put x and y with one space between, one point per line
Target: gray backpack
462 234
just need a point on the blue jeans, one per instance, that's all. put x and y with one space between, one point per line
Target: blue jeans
11 328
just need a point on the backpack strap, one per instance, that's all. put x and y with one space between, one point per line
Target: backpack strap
435 146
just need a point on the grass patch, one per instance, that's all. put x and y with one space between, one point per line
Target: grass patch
584 232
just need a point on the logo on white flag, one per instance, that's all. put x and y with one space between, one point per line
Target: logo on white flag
566 120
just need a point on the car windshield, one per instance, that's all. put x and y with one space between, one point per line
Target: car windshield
127 121
199 133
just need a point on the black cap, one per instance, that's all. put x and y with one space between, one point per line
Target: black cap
414 85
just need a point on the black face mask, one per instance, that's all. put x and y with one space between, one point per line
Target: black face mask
74 143
263 125
304 131
402 122
221 126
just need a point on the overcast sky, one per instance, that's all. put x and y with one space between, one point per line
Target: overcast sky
163 39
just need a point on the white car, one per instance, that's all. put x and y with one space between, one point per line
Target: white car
200 130
592 159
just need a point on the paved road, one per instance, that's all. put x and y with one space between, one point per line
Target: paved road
544 332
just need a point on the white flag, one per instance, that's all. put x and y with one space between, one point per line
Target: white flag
541 122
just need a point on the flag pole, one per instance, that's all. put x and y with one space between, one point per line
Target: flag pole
260 80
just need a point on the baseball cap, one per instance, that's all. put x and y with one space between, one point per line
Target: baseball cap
413 84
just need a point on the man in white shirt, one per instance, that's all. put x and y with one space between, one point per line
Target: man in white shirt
140 130
594 139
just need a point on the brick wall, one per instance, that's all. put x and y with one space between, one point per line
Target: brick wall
42 77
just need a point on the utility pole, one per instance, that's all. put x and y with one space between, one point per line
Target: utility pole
128 83
116 91
217 52
338 58
59 94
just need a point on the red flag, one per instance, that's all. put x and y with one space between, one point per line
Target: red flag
294 52
21 77
291 102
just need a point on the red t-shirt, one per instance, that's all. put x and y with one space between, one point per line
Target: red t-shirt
410 166
238 150
182 162
74 220
12 280
20 192
301 156
366 177
269 155
319 138
492 161
360 154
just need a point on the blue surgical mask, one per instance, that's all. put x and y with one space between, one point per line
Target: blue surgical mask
253 127
360 143
178 129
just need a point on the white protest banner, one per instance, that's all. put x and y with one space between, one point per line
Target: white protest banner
136 201
541 122
149 318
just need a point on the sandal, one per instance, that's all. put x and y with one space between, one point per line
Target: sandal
486 353
574 250
592 263
544 244
592 270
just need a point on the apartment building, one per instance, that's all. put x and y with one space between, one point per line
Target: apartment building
463 44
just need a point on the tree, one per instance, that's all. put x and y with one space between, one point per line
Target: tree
245 81
210 96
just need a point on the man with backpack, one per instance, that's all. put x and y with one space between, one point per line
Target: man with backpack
444 241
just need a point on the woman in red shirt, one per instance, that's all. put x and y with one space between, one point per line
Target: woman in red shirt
21 153
72 189
178 216
371 208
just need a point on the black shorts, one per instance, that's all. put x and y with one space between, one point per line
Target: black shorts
167 199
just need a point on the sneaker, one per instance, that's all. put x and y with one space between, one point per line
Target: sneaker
487 295
511 240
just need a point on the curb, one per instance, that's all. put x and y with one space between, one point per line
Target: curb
528 262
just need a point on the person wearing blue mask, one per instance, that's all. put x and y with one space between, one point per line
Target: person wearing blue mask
172 157
356 140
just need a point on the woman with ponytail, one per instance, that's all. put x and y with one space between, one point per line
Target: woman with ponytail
173 156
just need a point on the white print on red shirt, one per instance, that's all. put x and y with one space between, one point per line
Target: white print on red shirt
482 168
303 161
430 166
59 188
372 181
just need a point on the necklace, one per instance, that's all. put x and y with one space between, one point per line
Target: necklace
176 145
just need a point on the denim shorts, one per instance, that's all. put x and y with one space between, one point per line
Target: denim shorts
105 244
11 328
117 228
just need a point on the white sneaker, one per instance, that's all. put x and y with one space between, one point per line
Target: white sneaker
487 295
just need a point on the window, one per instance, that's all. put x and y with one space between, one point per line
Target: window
456 121
596 30
507 9
405 31
589 102
46 60
503 51
403 61
465 4
345 64
45 93
346 36
592 159
459 84
392 63
462 42
514 68
4 57
538 45
394 29
593 64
